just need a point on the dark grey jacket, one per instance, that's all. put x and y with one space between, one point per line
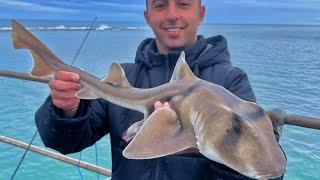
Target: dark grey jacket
208 58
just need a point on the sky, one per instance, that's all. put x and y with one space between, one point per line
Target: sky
217 11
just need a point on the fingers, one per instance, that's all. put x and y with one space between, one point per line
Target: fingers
64 85
158 105
66 104
63 89
167 105
63 94
67 76
64 81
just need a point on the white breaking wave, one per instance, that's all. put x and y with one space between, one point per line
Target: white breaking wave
101 27
5 29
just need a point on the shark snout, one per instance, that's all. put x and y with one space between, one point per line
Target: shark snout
275 173
270 164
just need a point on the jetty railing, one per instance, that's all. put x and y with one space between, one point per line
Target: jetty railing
57 156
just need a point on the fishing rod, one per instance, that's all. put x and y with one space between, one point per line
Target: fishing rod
24 76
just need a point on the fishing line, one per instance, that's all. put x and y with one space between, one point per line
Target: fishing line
96 148
81 177
84 40
24 155
75 57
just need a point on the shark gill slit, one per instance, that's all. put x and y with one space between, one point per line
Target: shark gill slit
199 124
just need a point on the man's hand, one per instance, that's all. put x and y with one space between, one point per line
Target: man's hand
158 105
63 89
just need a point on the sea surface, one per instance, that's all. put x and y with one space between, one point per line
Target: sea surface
282 63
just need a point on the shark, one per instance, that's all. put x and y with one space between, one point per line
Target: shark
205 117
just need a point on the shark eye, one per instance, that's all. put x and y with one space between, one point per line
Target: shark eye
236 124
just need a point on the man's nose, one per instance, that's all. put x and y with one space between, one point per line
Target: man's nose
173 13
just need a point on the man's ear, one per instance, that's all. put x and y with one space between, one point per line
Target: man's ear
146 16
202 12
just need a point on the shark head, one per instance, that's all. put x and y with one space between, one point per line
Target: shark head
241 137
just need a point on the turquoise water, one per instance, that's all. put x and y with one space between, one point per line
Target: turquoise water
282 62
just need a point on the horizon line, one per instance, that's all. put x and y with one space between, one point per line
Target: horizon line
140 22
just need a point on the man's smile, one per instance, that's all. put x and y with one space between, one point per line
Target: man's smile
174 30
173 27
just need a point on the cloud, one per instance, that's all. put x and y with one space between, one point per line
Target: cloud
287 4
120 15
119 5
225 11
128 6
34 7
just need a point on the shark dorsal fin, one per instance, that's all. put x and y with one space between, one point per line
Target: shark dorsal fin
182 70
117 76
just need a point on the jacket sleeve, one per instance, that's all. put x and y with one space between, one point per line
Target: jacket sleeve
69 135
238 83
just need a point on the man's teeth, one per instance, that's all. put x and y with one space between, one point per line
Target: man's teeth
173 29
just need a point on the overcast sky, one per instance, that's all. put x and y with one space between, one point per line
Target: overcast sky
218 11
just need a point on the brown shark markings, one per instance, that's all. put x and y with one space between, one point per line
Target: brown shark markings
206 116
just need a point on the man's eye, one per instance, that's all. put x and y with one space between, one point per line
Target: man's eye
184 4
159 5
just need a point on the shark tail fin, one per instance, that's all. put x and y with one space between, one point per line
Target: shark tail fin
160 135
182 70
23 39
117 76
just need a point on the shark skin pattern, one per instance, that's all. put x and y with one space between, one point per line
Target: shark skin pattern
205 116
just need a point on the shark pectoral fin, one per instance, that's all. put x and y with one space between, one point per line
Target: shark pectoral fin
86 94
117 76
160 135
182 70
131 132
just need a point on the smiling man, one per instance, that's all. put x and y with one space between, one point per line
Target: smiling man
69 125
174 23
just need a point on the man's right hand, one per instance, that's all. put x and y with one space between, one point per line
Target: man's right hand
63 89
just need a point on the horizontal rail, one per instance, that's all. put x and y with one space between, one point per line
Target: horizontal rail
303 121
280 118
23 76
57 156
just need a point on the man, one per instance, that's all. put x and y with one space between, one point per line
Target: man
69 125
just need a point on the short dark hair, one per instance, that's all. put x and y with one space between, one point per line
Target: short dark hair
147 3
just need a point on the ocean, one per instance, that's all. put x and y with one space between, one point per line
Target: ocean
282 63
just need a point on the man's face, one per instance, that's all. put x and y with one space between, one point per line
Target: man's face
174 22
